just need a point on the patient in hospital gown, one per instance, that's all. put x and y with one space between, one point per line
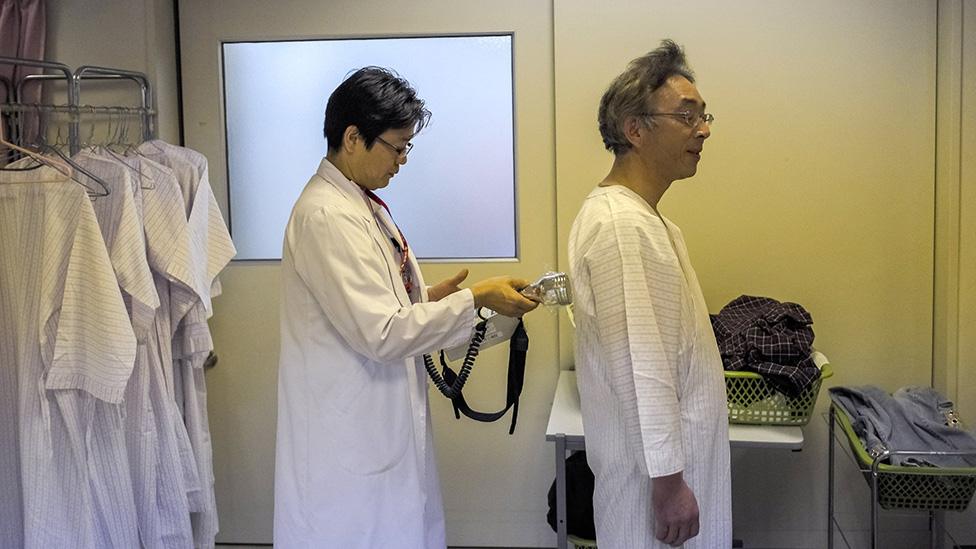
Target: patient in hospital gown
650 376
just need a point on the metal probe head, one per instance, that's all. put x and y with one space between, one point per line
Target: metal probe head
551 289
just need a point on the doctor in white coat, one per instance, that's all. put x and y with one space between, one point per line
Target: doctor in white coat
355 461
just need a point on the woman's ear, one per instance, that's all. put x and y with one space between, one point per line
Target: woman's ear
350 138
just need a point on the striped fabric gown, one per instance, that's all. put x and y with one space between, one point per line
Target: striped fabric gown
650 376
150 414
209 251
66 353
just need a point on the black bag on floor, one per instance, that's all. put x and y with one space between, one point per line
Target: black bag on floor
579 498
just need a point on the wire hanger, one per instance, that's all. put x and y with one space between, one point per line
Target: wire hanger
146 183
95 193
63 168
153 143
143 178
74 169
141 148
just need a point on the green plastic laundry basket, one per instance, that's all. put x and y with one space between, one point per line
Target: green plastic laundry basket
754 401
918 488
580 543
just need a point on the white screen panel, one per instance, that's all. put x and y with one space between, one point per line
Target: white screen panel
455 197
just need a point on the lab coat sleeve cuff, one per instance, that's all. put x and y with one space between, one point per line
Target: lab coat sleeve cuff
462 304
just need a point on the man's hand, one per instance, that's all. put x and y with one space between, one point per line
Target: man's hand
675 510
501 294
447 287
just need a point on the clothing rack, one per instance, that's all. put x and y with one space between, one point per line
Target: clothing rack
74 108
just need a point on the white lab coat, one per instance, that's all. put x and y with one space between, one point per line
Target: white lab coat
652 391
355 461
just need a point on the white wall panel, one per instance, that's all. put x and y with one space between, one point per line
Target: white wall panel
494 484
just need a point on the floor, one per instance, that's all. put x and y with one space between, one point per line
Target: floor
234 546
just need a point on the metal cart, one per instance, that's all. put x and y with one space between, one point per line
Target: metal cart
929 490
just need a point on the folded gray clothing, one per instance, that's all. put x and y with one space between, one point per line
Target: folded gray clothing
935 419
915 418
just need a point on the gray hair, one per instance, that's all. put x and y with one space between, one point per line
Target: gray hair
628 93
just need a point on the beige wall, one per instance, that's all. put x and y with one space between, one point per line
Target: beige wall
945 344
494 484
955 329
965 393
955 351
816 186
122 34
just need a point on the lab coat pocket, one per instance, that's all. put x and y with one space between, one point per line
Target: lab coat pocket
376 422
349 390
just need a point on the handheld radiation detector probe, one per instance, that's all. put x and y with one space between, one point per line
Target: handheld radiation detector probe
550 289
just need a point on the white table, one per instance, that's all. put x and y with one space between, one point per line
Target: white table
566 430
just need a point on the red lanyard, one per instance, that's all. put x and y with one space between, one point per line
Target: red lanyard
405 251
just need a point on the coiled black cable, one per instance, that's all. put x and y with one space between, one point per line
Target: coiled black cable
453 390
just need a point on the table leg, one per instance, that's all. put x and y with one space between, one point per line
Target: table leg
937 532
830 480
874 507
561 491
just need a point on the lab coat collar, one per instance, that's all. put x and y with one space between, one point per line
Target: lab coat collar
330 173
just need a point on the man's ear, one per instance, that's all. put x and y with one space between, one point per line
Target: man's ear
634 130
350 138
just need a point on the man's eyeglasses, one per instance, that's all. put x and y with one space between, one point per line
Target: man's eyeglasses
692 119
400 151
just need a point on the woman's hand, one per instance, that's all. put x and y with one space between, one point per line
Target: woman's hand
447 287
501 294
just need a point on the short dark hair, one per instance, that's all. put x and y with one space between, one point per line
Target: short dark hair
373 99
628 93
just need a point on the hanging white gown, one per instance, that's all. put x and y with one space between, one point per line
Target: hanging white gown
67 350
151 416
131 506
210 250
652 391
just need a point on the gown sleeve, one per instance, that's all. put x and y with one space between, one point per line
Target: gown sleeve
95 348
637 291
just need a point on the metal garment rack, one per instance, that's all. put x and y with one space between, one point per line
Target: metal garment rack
73 83
872 472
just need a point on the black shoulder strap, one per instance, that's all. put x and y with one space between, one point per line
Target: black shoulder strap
517 348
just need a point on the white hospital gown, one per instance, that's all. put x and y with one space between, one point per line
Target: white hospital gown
209 252
651 385
151 416
168 240
133 455
66 354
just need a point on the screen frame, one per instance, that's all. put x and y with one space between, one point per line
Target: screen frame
516 233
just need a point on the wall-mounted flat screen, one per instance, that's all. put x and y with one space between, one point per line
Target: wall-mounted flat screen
455 197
